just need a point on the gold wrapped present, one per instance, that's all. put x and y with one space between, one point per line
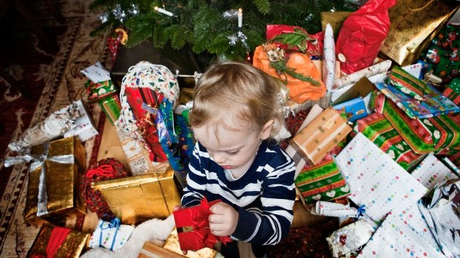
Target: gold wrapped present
321 135
150 250
138 198
335 19
172 244
414 23
54 180
58 242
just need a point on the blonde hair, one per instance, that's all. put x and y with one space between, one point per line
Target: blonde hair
230 90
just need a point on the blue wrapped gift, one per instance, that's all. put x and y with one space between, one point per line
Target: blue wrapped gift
355 108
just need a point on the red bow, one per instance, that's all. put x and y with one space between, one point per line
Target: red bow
193 227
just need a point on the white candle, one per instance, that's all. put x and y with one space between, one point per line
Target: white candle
163 11
240 18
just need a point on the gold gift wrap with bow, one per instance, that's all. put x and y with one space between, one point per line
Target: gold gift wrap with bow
72 245
56 197
139 198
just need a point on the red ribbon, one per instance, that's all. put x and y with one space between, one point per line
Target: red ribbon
197 218
104 170
57 238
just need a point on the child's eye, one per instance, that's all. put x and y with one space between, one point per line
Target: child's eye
232 152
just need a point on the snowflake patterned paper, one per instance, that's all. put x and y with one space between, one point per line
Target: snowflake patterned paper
375 180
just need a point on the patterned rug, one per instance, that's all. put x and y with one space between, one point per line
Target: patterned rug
53 80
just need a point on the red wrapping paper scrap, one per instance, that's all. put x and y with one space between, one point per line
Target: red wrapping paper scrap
193 230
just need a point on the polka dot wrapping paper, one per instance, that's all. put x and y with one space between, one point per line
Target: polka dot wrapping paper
404 233
375 180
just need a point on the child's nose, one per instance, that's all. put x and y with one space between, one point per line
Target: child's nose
219 158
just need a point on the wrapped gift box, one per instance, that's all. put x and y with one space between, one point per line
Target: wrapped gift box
355 108
55 196
452 91
172 244
413 25
377 129
439 134
150 250
322 181
138 198
62 242
376 180
321 135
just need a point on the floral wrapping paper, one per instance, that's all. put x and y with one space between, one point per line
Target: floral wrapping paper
377 129
376 180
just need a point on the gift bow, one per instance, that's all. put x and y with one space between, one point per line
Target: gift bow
37 161
200 225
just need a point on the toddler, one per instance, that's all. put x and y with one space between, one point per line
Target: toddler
236 115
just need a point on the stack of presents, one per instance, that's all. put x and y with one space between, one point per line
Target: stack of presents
375 134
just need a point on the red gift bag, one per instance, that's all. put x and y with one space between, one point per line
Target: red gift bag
362 34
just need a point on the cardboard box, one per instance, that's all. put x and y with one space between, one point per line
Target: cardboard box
139 198
321 135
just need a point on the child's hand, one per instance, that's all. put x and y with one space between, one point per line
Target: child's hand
223 219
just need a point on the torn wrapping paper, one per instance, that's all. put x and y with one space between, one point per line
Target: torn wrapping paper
403 233
349 238
372 70
72 120
442 216
97 73
431 172
375 180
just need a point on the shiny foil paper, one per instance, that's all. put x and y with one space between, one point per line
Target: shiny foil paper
56 195
139 198
74 243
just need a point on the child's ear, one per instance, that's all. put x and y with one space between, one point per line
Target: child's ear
267 129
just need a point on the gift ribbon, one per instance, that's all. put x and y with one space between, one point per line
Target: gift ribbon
39 160
114 223
57 238
200 225
104 170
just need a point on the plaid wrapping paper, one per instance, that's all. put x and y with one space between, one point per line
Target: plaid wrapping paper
439 134
322 181
377 129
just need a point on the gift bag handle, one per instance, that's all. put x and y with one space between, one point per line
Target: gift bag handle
421 8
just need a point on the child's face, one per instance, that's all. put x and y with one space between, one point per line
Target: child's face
233 150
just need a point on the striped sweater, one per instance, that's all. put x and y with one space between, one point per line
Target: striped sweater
263 196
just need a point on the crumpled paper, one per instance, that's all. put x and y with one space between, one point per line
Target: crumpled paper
72 120
349 238
442 214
